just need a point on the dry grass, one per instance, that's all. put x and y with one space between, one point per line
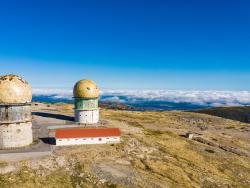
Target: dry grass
3 164
154 149
187 163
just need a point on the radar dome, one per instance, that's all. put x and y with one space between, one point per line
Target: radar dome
86 89
14 89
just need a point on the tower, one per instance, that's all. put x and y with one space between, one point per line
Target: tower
15 112
86 95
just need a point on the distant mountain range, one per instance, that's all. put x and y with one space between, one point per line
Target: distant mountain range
235 113
140 105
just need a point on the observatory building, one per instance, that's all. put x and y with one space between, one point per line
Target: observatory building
86 95
15 112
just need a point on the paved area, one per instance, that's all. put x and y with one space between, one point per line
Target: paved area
23 155
43 120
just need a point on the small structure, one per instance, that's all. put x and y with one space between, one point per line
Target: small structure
66 137
86 95
190 135
15 112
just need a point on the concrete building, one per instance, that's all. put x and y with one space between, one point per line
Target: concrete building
66 137
86 95
15 112
189 135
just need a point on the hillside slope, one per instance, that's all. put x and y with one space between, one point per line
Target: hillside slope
241 114
153 153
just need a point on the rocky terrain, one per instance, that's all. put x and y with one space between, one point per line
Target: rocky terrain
154 152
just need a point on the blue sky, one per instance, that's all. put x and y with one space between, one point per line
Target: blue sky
171 44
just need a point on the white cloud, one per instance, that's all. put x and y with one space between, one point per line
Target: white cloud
55 92
211 98
113 99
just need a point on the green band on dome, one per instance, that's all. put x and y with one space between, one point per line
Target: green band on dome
86 104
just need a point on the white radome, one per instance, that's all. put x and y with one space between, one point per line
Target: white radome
86 89
14 89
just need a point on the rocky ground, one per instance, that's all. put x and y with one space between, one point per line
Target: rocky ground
154 152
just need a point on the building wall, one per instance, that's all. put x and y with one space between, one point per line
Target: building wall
15 113
80 141
86 104
86 111
87 116
15 135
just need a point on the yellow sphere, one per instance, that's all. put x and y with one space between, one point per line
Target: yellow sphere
14 89
86 89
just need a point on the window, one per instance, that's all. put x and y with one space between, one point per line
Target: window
107 138
100 139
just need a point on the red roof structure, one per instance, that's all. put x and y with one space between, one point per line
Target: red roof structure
86 133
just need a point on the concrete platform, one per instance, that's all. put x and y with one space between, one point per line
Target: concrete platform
12 157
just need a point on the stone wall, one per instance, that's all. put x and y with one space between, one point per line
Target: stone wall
15 113
15 126
15 135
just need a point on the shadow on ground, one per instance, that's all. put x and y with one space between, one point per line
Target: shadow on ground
56 116
49 140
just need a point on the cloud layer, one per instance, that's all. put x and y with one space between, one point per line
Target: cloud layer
203 98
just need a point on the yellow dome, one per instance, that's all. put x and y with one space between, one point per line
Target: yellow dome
86 89
13 89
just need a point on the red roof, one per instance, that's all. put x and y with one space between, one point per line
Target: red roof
81 133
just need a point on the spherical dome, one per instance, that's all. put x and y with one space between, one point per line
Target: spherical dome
86 89
13 89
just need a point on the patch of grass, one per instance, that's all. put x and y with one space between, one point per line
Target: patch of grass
209 151
147 167
153 132
3 164
150 132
